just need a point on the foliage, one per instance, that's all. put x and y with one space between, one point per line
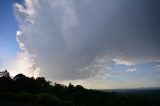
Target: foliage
40 92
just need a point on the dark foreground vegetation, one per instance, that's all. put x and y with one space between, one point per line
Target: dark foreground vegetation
24 91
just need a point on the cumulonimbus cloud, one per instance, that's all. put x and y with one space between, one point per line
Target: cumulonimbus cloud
68 38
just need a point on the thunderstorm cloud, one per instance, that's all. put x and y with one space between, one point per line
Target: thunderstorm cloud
70 39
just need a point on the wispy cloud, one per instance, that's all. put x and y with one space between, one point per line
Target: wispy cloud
131 70
157 67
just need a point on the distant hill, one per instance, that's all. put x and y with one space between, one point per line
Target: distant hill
152 91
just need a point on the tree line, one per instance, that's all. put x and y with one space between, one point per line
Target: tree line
40 92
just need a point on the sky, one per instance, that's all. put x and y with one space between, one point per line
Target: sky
8 28
107 44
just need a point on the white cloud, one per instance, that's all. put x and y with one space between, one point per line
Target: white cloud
123 62
131 70
69 38
157 67
23 63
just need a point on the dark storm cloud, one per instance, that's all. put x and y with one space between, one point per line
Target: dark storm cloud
70 38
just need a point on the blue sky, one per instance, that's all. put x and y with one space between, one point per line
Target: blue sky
109 43
8 28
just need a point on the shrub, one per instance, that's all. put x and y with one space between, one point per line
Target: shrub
23 96
47 100
8 96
